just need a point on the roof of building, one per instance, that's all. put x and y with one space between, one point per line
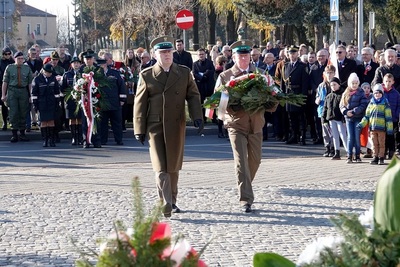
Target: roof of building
30 11
42 43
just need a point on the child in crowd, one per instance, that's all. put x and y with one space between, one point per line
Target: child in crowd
367 90
331 114
353 105
323 90
393 96
379 117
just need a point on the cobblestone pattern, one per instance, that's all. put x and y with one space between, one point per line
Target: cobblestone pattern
42 208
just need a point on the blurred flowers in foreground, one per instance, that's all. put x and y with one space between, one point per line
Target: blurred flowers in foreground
148 244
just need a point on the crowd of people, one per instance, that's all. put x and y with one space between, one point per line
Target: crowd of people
352 100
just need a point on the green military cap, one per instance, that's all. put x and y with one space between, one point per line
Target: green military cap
54 55
162 43
241 47
293 49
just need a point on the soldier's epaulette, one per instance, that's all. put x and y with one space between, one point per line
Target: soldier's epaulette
147 69
183 66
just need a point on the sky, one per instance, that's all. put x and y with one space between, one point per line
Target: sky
55 7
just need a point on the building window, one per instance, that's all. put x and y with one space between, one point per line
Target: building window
38 29
28 29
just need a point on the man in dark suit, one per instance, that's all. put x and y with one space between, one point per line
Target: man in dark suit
345 65
159 113
316 77
366 70
203 72
295 80
256 60
274 117
181 56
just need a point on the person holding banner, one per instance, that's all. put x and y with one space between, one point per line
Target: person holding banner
245 130
159 113
90 137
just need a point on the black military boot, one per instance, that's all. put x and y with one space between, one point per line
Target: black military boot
292 139
375 161
337 155
22 136
51 135
45 136
74 134
303 139
332 152
14 137
327 151
79 134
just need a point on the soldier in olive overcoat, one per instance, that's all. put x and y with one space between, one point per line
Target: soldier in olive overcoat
159 112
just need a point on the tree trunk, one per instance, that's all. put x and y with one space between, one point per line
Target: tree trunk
263 43
230 31
212 18
196 26
318 33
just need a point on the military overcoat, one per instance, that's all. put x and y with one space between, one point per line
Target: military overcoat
159 112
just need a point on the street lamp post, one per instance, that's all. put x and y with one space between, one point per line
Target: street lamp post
360 26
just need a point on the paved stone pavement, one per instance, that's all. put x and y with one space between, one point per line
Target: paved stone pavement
41 209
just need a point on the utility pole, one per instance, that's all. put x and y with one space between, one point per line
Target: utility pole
81 31
360 25
95 27
4 24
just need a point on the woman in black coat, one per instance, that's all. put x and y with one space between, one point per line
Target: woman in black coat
46 98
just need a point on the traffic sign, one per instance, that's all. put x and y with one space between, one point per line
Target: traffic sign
184 19
334 8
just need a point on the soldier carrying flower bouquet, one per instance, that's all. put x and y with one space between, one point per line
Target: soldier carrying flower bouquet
243 94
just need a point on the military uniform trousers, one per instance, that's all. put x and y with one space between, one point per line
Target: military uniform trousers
18 104
247 151
167 186
115 117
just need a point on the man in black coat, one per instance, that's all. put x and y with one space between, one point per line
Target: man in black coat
203 72
181 56
366 70
345 65
295 80
5 61
316 78
115 95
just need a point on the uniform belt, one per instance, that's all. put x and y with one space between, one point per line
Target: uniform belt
17 87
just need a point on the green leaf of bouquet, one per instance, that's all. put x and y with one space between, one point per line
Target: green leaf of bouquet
271 260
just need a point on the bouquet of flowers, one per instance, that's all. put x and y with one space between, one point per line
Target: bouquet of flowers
148 243
370 240
252 92
88 95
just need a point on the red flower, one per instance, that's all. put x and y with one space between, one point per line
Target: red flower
160 231
98 96
96 84
273 93
232 83
97 109
252 76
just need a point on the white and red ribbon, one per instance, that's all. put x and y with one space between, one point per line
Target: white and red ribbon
87 106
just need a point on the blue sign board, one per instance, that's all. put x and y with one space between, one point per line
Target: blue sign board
334 10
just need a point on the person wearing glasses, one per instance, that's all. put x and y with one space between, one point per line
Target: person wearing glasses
6 60
227 52
345 65
366 70
145 61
